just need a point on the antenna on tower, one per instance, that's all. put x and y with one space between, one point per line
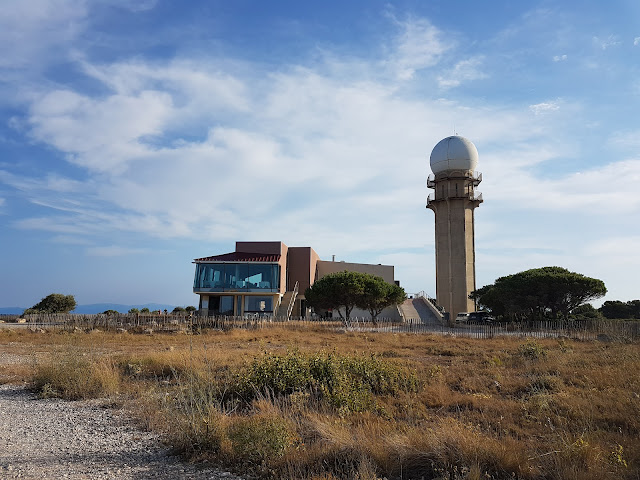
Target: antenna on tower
454 129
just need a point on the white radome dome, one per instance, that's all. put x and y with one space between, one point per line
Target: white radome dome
454 153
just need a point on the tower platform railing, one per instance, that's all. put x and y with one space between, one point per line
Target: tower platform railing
471 196
475 177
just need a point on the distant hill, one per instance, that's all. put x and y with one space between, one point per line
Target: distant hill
97 308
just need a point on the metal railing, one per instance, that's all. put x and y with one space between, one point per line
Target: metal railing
292 301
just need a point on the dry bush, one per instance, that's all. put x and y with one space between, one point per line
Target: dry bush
74 375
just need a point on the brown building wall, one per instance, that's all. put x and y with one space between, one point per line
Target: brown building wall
302 267
384 271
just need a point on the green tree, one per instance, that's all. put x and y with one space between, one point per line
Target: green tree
178 310
54 303
134 310
538 293
586 312
336 290
191 308
111 312
622 310
145 310
379 295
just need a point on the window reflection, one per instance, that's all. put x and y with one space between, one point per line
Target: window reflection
258 304
236 276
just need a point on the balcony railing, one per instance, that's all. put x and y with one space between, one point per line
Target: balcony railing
472 196
475 177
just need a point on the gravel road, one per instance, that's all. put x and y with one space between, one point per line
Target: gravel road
55 439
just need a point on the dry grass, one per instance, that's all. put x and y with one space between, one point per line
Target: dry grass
503 408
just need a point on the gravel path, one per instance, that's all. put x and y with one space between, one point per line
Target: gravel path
55 439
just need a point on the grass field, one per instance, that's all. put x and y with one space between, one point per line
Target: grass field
313 403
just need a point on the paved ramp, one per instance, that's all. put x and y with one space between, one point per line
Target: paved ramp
417 309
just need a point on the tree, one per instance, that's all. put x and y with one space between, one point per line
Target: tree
145 310
379 295
586 312
538 293
134 310
190 308
178 310
622 310
348 290
111 312
54 303
336 290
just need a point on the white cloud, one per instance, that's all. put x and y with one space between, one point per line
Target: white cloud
419 46
559 58
33 32
627 139
605 43
636 41
544 107
100 134
463 71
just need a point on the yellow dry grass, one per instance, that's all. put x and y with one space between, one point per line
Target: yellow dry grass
500 408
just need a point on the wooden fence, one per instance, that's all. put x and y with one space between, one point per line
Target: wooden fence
617 330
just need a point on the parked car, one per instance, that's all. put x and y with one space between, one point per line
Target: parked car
462 317
480 317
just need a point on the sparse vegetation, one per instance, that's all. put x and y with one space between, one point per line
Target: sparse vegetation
315 404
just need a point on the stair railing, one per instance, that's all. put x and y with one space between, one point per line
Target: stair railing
292 301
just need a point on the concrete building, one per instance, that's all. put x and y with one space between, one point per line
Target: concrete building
268 278
454 199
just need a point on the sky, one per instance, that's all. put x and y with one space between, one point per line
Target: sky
138 135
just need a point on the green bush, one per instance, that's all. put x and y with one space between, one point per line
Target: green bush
532 351
260 437
344 382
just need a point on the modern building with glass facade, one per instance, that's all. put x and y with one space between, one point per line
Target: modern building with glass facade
266 279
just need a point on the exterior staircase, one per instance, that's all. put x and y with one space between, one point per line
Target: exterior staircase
287 302
419 308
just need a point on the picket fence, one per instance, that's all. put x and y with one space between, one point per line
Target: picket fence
617 330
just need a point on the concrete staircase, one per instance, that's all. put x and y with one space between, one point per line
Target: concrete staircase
417 308
287 299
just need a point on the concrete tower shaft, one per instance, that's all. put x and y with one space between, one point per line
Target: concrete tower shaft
453 201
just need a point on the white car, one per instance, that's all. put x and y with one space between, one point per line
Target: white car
463 317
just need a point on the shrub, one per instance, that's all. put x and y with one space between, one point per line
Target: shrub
344 382
73 375
532 351
260 437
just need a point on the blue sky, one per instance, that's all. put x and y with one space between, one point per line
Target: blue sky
138 135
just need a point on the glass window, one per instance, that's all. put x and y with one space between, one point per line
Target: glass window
226 306
236 276
261 276
209 275
254 304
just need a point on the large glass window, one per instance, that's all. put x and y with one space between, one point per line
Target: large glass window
236 276
261 276
226 306
221 277
255 304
